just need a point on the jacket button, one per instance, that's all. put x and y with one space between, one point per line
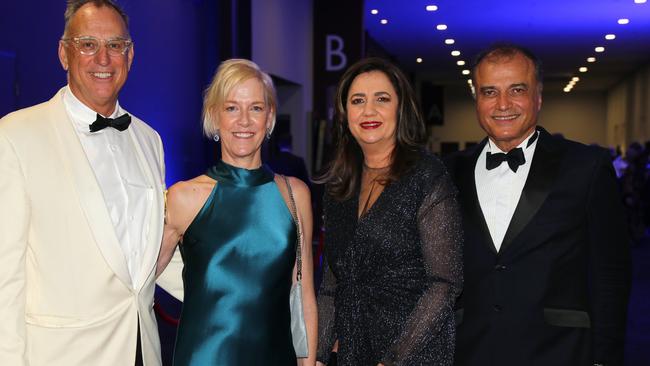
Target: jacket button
500 267
496 308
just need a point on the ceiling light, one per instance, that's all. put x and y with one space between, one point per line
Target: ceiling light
639 1
441 26
575 78
449 41
418 60
567 89
609 37
374 11
582 69
599 49
431 8
623 21
455 53
469 81
384 21
460 63
465 72
591 59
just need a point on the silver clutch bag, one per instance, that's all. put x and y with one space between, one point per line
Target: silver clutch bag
298 328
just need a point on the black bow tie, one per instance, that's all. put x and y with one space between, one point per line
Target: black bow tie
514 157
120 123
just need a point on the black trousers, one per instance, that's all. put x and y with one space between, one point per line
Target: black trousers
138 349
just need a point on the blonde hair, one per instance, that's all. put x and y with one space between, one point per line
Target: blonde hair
229 74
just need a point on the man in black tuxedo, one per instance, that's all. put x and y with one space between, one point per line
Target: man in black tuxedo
546 256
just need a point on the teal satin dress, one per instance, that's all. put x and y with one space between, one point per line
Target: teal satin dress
239 254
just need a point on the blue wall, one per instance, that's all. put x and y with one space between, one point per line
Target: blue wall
175 56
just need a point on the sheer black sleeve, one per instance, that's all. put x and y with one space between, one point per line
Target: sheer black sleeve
326 310
439 226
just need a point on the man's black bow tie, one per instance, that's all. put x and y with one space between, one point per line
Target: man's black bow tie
120 123
514 157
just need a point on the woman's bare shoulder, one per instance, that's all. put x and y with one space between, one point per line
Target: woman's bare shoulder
300 191
187 188
186 195
300 188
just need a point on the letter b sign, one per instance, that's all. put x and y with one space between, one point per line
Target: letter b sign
334 49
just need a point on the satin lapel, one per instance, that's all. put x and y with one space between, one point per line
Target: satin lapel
89 194
469 197
541 176
152 231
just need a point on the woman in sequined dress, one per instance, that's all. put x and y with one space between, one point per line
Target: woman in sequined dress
393 239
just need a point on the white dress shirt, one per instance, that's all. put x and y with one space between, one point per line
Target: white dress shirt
499 189
113 159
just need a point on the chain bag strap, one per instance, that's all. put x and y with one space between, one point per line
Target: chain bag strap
298 328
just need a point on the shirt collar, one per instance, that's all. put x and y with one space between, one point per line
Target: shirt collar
82 115
524 145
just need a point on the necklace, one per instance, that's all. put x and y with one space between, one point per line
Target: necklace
367 203
376 174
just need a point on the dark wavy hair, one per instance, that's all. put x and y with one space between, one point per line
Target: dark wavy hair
342 176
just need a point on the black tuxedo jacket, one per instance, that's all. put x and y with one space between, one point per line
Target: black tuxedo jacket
556 292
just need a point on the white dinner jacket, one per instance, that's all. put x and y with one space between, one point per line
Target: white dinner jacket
66 296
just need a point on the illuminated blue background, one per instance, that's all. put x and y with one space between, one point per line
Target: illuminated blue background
563 33
175 57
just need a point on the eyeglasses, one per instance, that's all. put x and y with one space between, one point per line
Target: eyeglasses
89 46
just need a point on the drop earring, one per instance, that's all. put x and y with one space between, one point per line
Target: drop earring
268 133
216 136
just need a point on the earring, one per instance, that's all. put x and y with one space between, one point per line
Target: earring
268 133
216 136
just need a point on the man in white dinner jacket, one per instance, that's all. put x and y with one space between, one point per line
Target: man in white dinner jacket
81 210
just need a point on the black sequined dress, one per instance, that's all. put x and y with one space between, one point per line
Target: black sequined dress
391 277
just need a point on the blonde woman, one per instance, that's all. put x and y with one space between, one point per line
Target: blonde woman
238 236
